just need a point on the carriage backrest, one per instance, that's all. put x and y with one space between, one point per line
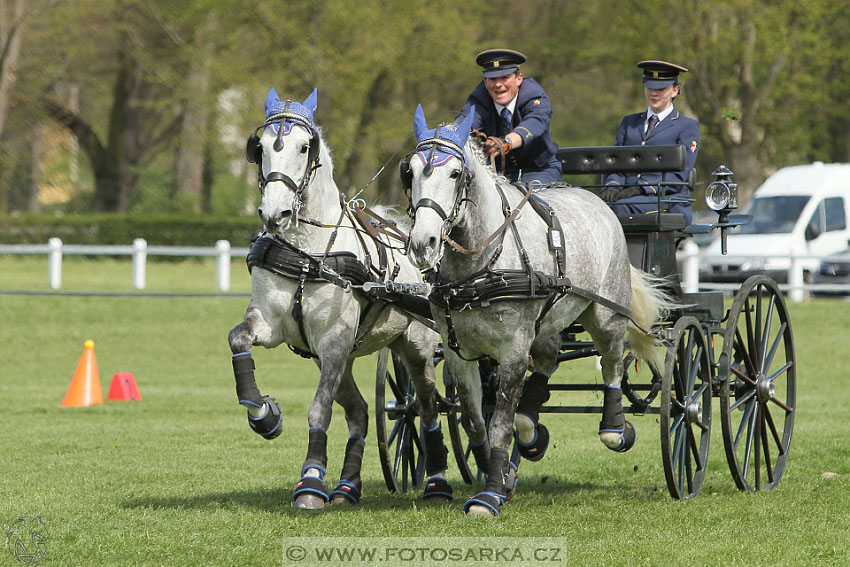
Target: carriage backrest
621 159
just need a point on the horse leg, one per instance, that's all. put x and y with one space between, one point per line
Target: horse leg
357 416
264 414
416 350
608 332
310 492
467 380
532 436
500 471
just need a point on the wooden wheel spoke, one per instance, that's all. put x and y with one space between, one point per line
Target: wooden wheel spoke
771 425
743 399
765 336
774 346
768 464
399 396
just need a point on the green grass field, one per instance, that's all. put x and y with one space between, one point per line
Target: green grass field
179 479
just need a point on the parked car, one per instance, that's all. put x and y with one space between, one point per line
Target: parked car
799 210
834 270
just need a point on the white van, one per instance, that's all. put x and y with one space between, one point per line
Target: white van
799 210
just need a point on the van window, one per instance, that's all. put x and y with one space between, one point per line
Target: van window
774 215
835 218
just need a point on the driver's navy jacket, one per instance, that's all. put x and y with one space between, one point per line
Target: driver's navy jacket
530 119
676 129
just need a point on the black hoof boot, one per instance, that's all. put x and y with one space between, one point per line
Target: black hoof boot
615 432
269 423
535 450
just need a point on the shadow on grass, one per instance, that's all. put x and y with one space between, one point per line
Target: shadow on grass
376 497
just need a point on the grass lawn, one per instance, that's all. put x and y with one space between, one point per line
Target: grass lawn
178 478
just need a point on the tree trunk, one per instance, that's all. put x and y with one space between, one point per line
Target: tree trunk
189 166
10 48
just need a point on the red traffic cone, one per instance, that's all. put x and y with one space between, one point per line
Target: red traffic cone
123 388
85 387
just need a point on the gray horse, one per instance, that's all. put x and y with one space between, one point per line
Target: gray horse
303 269
512 269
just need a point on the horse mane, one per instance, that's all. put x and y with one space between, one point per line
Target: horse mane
476 152
325 154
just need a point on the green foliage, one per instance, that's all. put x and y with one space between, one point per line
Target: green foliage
768 81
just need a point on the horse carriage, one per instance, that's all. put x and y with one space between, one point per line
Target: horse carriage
742 355
528 298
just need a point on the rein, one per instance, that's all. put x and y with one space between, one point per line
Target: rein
498 232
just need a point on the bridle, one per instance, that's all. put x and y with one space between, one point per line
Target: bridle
462 183
254 153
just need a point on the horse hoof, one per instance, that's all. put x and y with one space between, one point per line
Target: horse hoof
309 502
339 499
438 498
481 511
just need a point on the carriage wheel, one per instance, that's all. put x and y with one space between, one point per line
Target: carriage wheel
759 383
396 423
686 409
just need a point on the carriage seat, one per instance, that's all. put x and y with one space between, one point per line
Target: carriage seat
652 221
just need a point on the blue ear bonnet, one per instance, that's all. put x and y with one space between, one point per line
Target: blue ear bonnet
447 142
288 112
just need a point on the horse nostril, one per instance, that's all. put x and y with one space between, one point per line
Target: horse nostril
432 242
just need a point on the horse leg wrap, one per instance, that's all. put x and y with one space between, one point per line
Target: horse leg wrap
317 449
316 459
496 487
614 422
435 463
535 393
349 485
435 451
481 452
246 387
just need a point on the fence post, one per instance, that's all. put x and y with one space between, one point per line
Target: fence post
54 262
690 266
795 279
222 247
140 256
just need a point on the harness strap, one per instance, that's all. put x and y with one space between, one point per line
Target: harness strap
510 219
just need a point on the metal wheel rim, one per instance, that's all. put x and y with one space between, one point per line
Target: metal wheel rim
399 445
686 410
758 391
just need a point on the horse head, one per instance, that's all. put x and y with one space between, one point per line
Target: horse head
437 176
286 150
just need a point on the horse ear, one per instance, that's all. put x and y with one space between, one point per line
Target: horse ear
311 102
420 127
271 100
466 125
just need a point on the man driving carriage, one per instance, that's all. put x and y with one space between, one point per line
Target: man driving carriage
661 124
512 115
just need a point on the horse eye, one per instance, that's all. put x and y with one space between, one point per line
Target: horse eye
455 174
305 148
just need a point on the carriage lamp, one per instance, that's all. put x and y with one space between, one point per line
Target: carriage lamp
721 195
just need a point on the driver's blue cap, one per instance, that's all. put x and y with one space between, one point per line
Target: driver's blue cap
660 74
499 62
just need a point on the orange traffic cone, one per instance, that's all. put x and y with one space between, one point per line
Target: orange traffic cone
123 388
85 387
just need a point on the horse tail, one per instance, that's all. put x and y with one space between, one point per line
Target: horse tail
650 305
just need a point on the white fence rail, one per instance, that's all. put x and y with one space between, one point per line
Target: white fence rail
55 249
689 257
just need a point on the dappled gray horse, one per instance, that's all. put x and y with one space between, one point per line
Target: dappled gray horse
303 267
512 269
